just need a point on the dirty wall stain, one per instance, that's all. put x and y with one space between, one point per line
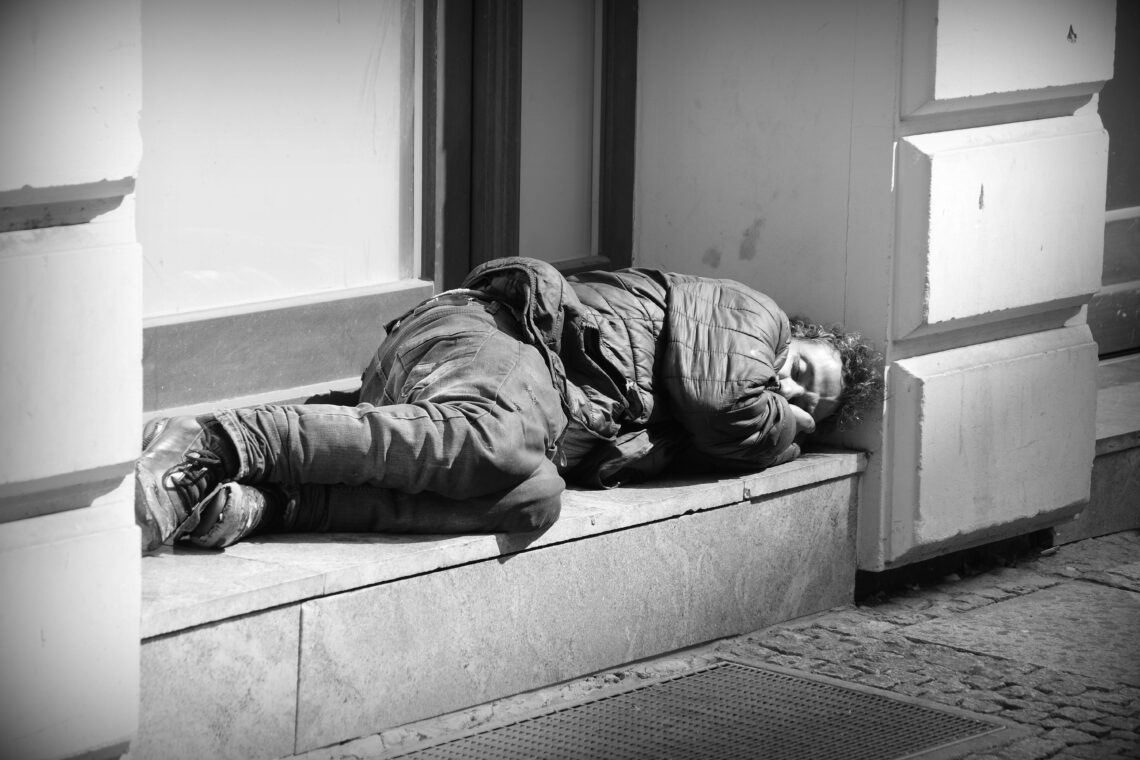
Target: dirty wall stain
749 241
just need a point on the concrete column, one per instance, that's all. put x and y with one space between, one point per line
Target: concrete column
71 381
999 183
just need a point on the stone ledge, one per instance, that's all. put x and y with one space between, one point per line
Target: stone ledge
1118 404
1115 489
185 588
257 350
627 574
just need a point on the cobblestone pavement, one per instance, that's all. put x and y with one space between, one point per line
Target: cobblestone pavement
1070 714
988 637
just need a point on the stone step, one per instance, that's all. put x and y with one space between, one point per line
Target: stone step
1114 504
284 644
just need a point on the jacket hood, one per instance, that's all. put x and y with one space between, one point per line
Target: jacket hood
537 292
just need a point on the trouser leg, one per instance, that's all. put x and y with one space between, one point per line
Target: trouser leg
465 411
532 505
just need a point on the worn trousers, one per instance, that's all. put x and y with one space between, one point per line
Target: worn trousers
456 427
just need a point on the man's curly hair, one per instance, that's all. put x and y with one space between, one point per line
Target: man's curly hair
862 369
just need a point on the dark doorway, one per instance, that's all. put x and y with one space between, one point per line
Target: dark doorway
474 131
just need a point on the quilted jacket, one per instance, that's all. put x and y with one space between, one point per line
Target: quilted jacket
653 366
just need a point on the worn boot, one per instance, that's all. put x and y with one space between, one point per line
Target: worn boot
235 510
184 460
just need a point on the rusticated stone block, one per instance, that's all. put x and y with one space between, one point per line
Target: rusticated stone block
69 630
970 53
991 437
998 221
68 334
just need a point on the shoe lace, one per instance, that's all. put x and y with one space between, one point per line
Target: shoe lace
194 478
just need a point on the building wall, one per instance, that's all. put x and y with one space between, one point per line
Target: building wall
855 162
70 377
743 144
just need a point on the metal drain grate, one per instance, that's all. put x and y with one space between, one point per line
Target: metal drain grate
732 710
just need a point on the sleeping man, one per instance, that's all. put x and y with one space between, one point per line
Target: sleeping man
482 402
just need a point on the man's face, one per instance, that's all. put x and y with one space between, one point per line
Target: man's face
812 377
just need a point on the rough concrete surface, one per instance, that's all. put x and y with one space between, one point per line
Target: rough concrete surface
932 639
381 657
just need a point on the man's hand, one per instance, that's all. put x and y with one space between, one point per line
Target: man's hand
804 422
791 390
787 455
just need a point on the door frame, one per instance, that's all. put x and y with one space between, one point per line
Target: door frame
472 62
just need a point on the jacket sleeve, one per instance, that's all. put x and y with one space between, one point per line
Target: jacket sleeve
756 431
724 345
